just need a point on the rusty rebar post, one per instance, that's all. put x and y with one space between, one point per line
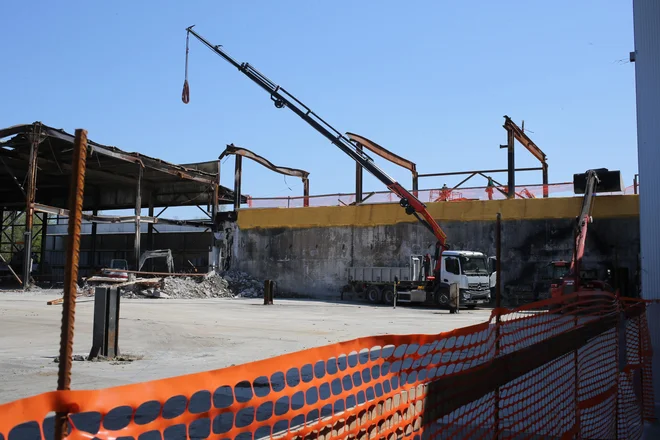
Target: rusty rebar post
76 192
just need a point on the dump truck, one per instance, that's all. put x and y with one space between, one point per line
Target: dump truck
469 270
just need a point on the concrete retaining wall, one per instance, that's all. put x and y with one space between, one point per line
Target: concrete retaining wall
307 250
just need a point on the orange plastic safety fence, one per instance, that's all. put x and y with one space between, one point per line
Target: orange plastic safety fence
426 196
544 370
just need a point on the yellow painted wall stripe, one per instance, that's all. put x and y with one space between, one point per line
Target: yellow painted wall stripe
472 210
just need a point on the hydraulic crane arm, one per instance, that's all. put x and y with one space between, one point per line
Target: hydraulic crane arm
282 98
593 181
583 220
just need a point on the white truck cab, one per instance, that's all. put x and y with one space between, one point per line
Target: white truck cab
470 270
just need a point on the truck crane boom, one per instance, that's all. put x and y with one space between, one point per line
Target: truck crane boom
590 183
591 180
281 98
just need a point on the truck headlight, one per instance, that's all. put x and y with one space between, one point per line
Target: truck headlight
466 296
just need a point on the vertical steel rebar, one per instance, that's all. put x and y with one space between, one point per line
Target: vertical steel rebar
76 191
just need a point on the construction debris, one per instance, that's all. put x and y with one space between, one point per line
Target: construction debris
231 284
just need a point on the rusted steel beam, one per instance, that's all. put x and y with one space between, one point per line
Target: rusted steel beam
76 191
516 133
240 151
382 152
458 173
524 140
107 219
45 163
361 141
115 153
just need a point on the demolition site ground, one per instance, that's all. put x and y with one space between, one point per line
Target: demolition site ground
161 338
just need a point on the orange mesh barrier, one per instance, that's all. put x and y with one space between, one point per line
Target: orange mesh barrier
581 369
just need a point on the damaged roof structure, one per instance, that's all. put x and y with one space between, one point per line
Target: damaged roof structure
111 175
35 171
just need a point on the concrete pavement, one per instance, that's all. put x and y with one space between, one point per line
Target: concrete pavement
175 337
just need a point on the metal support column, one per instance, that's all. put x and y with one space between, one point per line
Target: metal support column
44 234
215 207
29 203
150 226
545 180
358 178
237 181
511 165
415 184
91 258
150 229
306 192
138 212
105 336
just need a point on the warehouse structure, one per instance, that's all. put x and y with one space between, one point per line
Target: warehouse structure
36 163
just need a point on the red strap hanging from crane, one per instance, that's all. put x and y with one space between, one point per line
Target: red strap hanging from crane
185 94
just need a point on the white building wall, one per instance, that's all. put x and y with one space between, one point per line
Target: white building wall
646 15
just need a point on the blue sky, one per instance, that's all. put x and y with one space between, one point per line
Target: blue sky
430 80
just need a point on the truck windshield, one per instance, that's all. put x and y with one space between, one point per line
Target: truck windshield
473 265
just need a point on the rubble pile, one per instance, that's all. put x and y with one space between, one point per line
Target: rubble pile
232 284
243 285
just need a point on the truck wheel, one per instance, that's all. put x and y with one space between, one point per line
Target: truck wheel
373 294
388 295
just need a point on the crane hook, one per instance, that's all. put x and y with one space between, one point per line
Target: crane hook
185 94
